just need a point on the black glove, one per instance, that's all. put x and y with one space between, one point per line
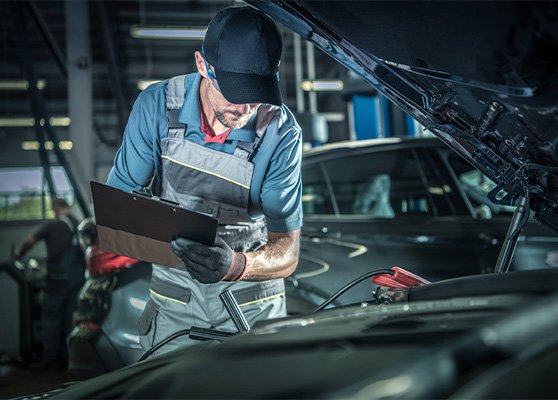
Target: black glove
210 264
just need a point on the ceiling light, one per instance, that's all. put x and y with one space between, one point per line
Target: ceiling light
333 116
17 122
181 33
30 122
322 85
19 84
143 84
60 121
49 145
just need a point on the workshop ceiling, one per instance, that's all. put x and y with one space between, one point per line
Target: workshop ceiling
136 59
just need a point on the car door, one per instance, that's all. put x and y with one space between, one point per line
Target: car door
378 207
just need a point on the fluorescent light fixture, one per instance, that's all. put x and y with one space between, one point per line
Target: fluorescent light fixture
19 84
59 121
17 122
27 122
143 84
436 190
49 145
333 116
30 145
167 32
322 85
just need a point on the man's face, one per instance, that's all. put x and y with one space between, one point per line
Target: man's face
229 114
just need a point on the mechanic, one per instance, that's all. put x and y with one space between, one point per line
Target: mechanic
65 276
222 142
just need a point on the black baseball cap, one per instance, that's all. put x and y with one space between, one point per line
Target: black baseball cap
244 47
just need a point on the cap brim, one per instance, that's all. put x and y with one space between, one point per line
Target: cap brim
249 88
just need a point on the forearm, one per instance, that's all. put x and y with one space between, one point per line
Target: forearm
26 246
210 264
277 259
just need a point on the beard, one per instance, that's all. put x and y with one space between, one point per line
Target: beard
230 119
233 119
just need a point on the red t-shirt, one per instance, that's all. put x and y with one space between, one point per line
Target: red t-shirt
209 136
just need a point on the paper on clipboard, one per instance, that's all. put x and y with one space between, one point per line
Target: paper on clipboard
140 226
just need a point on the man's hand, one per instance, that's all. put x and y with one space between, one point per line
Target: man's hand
210 264
25 247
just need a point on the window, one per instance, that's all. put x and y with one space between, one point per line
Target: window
476 186
315 198
445 195
380 184
24 193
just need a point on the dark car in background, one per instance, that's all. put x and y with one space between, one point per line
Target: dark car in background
410 202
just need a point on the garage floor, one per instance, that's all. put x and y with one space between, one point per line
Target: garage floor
27 381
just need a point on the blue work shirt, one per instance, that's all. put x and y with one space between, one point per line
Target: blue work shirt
276 188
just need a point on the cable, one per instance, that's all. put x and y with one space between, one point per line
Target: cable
310 289
350 285
332 298
164 342
208 334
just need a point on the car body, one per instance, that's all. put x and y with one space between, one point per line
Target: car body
479 76
482 337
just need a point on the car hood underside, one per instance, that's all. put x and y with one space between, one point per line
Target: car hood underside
482 76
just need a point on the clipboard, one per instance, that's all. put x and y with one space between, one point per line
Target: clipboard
137 225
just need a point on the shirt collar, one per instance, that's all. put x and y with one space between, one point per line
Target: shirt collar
190 114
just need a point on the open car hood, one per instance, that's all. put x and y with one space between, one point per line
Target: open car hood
482 76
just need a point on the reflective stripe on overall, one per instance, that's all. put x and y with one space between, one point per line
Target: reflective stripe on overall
215 183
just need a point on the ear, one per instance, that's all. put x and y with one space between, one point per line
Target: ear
200 65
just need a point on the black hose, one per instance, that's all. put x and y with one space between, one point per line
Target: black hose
164 342
350 285
332 298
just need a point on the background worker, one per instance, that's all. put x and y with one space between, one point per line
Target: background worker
65 276
220 141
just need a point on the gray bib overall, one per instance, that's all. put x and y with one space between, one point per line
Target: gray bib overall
215 183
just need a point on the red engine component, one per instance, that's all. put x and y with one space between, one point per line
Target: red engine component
100 262
400 279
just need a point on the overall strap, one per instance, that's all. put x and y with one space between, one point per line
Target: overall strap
175 92
175 100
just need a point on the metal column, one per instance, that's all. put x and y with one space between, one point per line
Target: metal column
38 107
115 74
34 95
80 93
297 47
60 61
311 66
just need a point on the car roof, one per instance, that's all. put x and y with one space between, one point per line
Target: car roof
349 145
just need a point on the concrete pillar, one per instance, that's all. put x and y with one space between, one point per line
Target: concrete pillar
80 93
